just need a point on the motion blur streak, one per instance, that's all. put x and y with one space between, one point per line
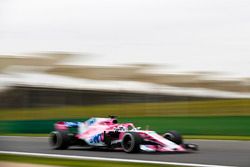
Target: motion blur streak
51 70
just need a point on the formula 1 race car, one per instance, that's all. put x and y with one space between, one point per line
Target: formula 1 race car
108 133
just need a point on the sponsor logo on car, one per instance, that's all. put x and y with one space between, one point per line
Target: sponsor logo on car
96 138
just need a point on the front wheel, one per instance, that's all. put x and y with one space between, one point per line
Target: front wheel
174 137
131 142
59 140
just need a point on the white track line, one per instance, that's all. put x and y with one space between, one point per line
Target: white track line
107 159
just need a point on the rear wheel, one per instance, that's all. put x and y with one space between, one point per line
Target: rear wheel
131 142
59 140
174 137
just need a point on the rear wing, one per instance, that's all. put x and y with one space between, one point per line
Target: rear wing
66 125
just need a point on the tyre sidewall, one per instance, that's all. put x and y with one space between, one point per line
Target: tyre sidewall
62 140
173 136
135 142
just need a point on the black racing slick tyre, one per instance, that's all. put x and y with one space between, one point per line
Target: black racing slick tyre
131 142
174 137
59 140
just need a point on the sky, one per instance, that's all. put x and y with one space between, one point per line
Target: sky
181 35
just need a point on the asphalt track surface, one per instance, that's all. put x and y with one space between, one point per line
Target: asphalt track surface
212 152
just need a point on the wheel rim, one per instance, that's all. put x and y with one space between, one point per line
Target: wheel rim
169 136
128 143
53 140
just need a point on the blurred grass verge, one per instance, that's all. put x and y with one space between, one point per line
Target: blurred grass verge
195 108
205 137
72 163
207 125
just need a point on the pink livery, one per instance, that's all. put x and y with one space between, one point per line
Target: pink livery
109 134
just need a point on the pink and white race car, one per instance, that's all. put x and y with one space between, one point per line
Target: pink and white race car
108 133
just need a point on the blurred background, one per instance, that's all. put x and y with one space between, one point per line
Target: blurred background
163 65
